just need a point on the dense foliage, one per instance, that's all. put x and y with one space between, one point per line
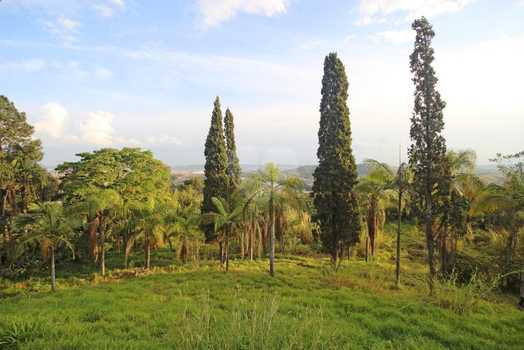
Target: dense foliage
216 181
336 175
113 210
426 154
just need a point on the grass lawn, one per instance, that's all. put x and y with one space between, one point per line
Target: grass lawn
304 307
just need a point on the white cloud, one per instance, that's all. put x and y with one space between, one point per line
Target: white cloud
26 66
64 28
217 11
162 140
118 3
53 123
103 73
377 11
396 37
98 129
109 8
104 10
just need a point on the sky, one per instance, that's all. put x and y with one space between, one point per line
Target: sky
113 73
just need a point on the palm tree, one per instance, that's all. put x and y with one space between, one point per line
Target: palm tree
460 186
127 225
151 216
278 193
376 190
102 209
183 225
401 183
507 202
225 218
48 221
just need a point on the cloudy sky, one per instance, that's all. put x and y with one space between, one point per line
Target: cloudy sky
99 73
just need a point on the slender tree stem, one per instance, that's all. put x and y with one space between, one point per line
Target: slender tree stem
53 274
399 222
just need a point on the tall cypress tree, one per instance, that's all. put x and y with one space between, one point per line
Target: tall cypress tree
336 175
215 169
233 165
428 149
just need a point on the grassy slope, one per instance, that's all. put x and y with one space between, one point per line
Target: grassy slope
305 306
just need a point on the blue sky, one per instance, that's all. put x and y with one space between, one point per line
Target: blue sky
99 73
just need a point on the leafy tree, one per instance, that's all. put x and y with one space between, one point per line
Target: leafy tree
336 175
233 164
19 154
135 175
401 184
226 217
376 190
183 227
506 201
151 217
47 221
455 186
102 208
428 148
216 166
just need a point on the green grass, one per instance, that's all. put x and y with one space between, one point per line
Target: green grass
305 306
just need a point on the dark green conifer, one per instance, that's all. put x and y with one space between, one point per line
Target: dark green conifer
336 175
428 149
233 165
215 169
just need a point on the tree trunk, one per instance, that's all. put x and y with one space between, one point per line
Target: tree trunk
512 244
444 263
429 242
221 245
272 237
53 274
260 242
399 221
92 229
129 246
227 249
367 247
103 252
147 251
242 251
251 240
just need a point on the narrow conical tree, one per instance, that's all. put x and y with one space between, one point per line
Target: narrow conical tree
336 175
233 165
428 148
215 169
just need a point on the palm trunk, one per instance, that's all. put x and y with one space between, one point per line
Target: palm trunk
429 242
147 251
53 273
227 249
242 251
251 240
512 243
367 248
444 263
103 252
272 237
397 258
221 245
129 246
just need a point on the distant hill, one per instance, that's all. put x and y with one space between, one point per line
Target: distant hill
246 168
487 173
305 172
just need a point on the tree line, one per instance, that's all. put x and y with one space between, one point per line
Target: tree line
123 201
